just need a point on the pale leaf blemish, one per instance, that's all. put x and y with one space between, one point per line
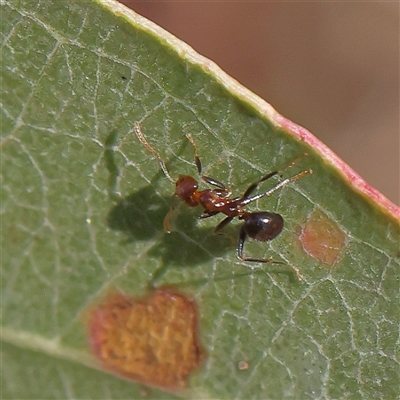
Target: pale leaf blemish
243 365
322 238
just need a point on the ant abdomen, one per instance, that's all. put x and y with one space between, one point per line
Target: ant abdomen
263 225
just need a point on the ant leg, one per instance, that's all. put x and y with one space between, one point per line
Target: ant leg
169 215
254 185
286 181
214 182
207 179
208 214
223 224
196 155
144 142
240 246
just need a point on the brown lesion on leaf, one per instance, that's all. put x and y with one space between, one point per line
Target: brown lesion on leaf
243 365
152 339
322 238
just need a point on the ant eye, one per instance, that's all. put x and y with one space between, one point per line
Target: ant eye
263 226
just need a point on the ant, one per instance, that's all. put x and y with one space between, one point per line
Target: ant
260 225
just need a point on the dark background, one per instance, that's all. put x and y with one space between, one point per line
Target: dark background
332 67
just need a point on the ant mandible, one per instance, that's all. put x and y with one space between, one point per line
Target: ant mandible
259 225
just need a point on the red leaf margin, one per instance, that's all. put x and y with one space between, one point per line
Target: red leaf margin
260 106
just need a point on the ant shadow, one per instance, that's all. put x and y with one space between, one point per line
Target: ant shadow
140 216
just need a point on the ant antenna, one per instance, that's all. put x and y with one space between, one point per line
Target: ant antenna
294 161
290 163
144 142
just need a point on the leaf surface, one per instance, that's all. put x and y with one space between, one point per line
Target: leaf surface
83 204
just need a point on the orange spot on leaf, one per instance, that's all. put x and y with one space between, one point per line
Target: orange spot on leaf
243 365
321 238
152 339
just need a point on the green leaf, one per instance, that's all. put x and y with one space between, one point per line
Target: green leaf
83 204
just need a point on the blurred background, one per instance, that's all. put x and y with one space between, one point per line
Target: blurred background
332 67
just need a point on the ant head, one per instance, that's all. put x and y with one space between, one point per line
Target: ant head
263 226
186 186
